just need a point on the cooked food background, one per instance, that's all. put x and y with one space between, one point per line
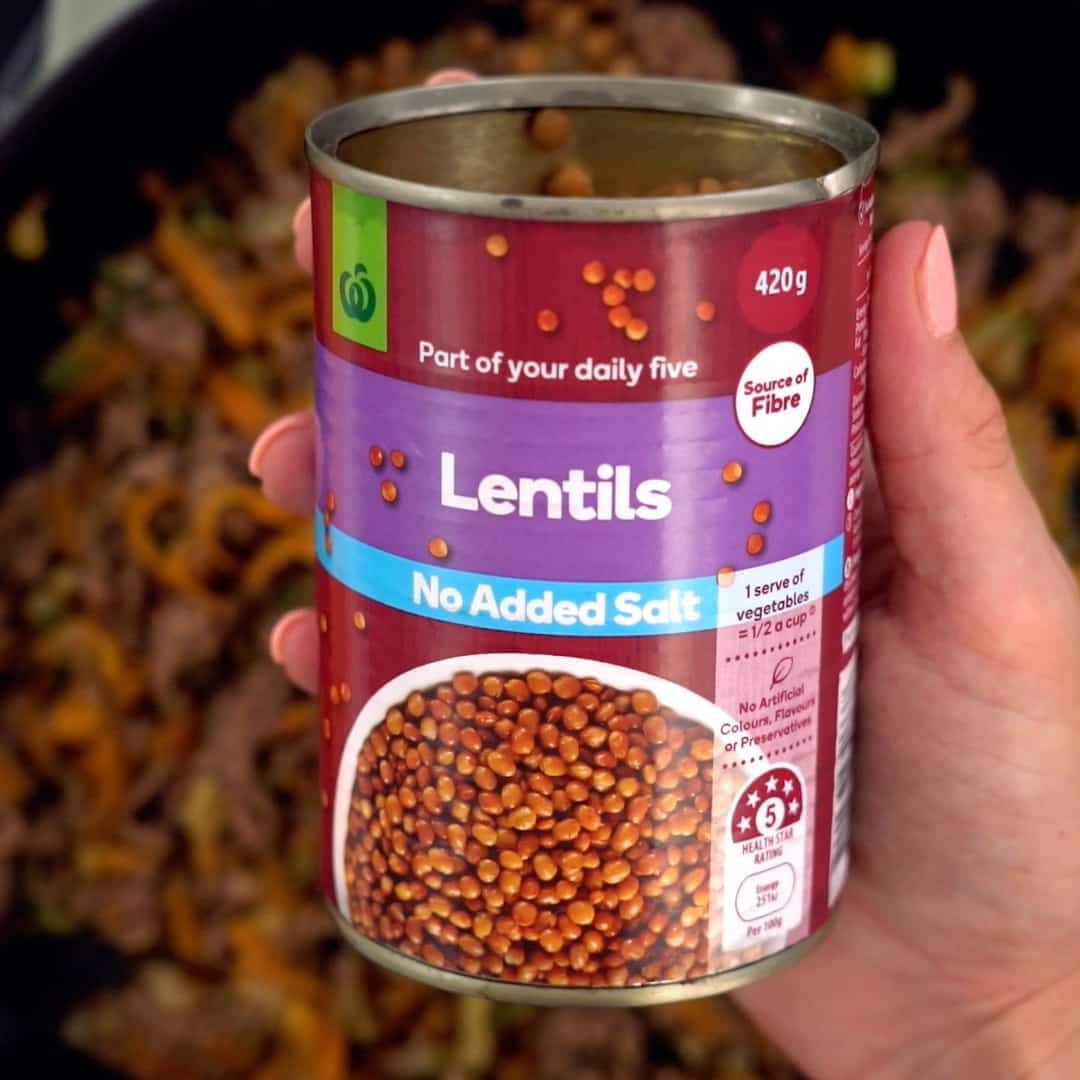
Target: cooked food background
157 775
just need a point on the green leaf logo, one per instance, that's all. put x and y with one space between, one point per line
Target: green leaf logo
357 294
359 288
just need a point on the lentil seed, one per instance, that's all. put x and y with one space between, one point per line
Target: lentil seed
593 272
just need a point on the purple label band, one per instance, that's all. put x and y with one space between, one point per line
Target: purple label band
498 481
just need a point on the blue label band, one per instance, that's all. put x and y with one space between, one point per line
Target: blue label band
580 608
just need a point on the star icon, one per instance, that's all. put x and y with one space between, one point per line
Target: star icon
789 787
744 824
770 784
753 799
793 806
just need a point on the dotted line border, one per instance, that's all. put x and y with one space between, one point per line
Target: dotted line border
773 648
743 762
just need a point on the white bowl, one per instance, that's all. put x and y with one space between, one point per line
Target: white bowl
685 702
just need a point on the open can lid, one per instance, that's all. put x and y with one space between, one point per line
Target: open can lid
855 141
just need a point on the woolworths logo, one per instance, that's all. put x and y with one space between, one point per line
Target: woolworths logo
359 266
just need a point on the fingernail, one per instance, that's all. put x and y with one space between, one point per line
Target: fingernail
937 285
280 634
448 76
282 426
302 216
303 240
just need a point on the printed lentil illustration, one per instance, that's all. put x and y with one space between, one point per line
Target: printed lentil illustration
497 246
547 320
537 827
614 295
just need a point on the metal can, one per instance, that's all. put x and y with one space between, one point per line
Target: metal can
588 525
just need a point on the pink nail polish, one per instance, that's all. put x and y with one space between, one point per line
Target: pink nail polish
293 422
302 215
449 76
937 285
279 635
303 241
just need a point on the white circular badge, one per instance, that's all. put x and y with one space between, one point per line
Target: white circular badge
774 395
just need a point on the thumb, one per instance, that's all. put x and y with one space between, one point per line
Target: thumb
958 511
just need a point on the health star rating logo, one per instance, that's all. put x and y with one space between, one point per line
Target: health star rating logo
771 802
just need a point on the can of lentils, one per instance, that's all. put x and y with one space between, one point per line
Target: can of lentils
590 382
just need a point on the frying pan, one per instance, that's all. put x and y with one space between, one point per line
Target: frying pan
156 91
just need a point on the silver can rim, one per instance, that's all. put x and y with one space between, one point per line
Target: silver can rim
851 136
663 993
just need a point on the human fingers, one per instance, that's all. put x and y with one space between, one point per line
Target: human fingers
283 461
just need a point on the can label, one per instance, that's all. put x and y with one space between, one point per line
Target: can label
588 532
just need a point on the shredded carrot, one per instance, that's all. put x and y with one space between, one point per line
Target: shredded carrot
174 737
317 1040
293 548
81 643
76 718
63 517
205 546
109 860
238 404
296 718
274 887
213 292
170 566
259 287
1064 468
108 362
257 958
296 309
15 782
181 920
23 716
212 504
104 766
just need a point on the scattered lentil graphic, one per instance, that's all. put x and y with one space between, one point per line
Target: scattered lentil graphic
497 246
761 513
378 457
551 130
547 320
615 295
